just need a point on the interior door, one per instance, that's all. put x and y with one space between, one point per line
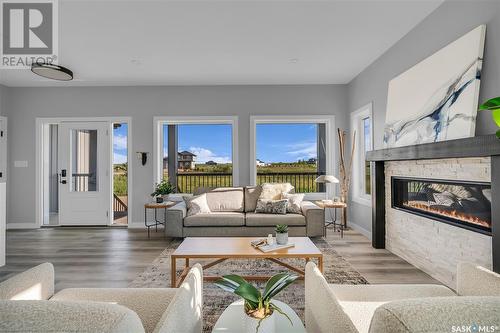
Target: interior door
84 173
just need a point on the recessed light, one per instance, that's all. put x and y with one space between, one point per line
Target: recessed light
294 60
53 72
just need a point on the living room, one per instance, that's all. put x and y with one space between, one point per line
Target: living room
357 141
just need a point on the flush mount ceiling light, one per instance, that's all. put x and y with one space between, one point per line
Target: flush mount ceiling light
54 72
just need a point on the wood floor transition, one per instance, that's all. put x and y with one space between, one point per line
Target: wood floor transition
113 257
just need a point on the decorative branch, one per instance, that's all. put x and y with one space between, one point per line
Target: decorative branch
345 170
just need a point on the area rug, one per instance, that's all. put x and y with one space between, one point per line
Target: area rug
336 270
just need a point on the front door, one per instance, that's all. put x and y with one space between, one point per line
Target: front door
84 173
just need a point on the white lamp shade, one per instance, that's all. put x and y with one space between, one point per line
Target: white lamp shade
326 179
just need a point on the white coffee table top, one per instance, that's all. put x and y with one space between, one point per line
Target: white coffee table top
231 320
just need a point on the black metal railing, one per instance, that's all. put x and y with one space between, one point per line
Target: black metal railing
302 181
189 181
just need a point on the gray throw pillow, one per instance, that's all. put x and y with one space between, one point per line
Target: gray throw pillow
271 206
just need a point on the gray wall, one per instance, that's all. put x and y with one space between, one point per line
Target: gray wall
3 92
142 103
450 21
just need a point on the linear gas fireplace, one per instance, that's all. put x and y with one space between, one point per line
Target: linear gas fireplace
460 203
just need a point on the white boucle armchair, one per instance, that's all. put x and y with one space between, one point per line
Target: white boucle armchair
28 304
402 308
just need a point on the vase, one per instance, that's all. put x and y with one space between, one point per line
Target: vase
282 238
266 325
159 199
166 197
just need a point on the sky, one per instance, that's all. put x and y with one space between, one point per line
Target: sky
275 142
120 144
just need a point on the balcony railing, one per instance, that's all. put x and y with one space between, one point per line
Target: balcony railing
302 181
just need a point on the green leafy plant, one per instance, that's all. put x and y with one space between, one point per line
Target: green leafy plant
258 305
493 105
163 188
281 229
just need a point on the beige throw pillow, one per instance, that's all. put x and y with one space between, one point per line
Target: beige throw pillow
274 191
271 206
294 201
197 205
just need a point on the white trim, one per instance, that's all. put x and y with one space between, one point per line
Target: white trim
30 225
3 150
364 112
329 122
39 133
360 229
158 123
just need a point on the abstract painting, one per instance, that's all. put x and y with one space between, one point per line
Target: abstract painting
437 99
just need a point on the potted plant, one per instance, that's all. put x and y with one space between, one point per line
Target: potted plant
162 190
493 105
258 307
281 234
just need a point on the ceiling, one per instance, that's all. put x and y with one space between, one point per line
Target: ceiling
211 42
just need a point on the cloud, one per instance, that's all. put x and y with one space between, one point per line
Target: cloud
119 158
120 142
203 155
302 150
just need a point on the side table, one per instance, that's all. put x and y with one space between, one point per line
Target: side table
334 205
232 319
155 206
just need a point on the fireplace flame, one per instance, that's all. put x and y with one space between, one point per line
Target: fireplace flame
448 213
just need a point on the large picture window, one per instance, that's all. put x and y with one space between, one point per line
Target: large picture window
361 122
196 153
292 149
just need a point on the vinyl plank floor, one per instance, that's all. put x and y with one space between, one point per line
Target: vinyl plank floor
113 257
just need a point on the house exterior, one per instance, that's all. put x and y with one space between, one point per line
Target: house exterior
186 160
260 163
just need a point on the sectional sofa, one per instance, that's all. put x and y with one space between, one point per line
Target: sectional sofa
233 214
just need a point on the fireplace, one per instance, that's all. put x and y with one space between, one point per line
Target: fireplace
460 203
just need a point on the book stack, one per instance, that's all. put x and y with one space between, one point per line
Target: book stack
265 247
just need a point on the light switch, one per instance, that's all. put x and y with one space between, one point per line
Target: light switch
20 164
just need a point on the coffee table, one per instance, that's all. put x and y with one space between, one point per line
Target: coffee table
232 319
224 248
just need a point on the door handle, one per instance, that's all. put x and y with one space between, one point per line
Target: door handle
61 175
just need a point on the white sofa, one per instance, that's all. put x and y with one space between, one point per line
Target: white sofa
331 308
28 304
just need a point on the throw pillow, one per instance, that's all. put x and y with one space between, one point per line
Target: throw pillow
274 191
271 206
294 201
197 205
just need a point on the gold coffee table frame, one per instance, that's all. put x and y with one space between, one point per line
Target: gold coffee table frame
224 248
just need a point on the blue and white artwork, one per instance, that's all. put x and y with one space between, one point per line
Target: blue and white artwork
437 99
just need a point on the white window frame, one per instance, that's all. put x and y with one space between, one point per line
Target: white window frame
329 122
158 123
358 179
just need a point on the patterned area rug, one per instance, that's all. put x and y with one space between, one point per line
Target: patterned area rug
336 270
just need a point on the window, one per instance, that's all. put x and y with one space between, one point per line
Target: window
292 149
197 153
361 122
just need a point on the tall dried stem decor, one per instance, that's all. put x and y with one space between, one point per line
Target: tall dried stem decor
345 170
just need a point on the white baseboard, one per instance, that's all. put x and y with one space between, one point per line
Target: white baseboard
11 226
136 225
360 229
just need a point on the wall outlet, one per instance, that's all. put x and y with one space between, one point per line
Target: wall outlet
20 164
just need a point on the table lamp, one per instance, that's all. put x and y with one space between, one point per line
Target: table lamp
326 179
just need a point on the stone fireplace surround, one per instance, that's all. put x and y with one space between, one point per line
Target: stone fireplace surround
436 247
430 245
